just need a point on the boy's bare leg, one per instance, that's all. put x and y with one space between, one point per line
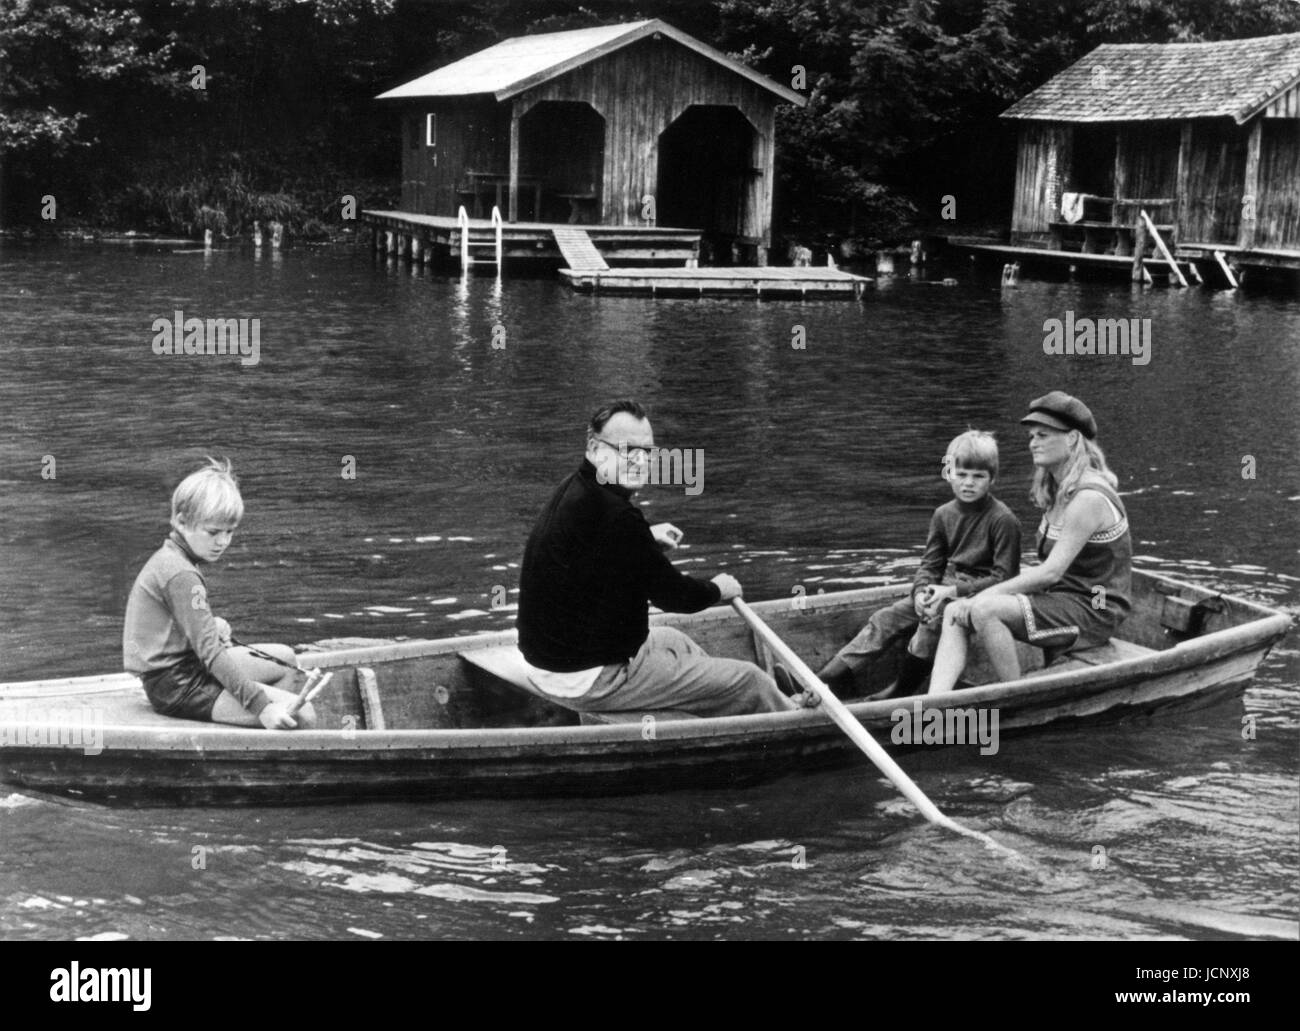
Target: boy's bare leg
265 671
228 710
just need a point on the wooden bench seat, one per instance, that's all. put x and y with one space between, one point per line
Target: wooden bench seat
506 662
1114 650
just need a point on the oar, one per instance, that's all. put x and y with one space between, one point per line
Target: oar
857 732
261 654
310 690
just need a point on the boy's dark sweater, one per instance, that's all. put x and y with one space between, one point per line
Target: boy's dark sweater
590 566
971 544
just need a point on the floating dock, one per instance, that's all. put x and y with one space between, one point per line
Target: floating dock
697 282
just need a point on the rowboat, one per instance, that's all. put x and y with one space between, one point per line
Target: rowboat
455 717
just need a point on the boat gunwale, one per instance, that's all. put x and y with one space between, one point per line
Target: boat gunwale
212 740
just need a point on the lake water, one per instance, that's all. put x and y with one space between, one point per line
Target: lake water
821 469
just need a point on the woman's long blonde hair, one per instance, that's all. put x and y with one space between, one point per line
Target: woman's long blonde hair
1086 457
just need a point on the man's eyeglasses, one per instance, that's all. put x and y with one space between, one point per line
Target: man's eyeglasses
634 452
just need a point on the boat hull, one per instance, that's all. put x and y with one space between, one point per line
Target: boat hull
183 762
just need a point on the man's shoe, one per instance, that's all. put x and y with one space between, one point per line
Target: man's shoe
784 682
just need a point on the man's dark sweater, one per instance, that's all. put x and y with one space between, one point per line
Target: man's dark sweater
974 545
590 566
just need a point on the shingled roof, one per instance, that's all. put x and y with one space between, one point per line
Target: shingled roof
1133 82
521 62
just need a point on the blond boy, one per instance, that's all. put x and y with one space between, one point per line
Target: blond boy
181 651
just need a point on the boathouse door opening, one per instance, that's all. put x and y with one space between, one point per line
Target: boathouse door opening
562 148
707 175
1093 156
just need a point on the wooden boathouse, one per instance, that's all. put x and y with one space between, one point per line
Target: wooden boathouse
622 130
1202 137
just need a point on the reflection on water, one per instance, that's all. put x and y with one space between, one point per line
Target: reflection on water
822 469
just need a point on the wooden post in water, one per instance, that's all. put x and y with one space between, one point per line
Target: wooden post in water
1250 188
277 235
1139 249
1226 269
514 162
1174 270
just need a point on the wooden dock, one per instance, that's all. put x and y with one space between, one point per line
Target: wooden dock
1120 264
1240 257
1200 262
435 239
578 250
697 282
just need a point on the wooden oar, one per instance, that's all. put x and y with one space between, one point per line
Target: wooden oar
261 654
310 690
857 732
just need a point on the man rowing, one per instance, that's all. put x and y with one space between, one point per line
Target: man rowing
591 565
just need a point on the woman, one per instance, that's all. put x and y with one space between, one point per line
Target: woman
1079 593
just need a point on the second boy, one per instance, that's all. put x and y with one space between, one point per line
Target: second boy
974 542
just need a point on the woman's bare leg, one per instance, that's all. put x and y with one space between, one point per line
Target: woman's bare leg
997 622
950 656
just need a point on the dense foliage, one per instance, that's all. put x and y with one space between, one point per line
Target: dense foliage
195 114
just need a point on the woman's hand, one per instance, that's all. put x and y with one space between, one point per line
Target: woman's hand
958 612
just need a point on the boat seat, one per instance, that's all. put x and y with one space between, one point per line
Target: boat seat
1114 650
505 662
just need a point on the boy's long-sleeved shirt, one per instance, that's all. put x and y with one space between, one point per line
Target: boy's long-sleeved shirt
167 617
973 545
590 566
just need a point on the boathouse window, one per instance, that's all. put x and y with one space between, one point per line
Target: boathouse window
430 130
413 125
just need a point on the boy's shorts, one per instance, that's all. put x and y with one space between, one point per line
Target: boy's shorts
186 691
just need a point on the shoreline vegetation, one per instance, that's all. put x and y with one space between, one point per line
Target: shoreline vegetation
123 120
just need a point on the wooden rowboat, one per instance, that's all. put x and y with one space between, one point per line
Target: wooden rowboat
438 719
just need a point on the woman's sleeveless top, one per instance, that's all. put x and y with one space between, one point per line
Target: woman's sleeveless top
1105 561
